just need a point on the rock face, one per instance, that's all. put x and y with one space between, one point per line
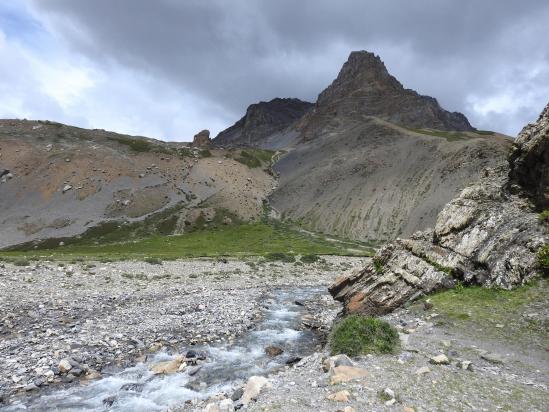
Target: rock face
202 139
264 124
486 236
365 87
530 160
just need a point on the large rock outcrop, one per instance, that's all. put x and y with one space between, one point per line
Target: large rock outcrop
488 235
265 124
530 161
202 139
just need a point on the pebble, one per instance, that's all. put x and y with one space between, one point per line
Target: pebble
493 358
439 360
341 396
64 366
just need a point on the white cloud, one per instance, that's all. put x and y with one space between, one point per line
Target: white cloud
62 86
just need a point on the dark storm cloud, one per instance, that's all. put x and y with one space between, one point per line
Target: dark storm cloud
488 59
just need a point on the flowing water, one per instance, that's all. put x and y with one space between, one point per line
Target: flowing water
226 366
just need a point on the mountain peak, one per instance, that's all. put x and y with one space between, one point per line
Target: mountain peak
364 86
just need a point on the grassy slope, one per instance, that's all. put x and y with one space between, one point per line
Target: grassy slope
471 308
239 240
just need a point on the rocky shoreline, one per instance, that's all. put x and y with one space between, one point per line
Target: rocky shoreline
64 324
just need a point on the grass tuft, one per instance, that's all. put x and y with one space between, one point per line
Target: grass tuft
378 264
280 257
544 216
21 262
153 260
358 335
543 259
310 259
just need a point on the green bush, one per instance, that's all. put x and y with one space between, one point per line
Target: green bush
153 260
544 216
21 262
378 264
248 159
543 259
357 335
280 256
310 258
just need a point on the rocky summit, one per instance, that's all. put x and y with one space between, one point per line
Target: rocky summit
364 87
264 124
486 236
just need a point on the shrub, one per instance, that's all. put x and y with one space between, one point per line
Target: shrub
544 216
310 258
357 335
248 159
280 256
21 262
153 260
378 264
543 259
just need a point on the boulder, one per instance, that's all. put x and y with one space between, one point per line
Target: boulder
340 374
253 388
168 367
439 360
202 139
273 351
341 396
64 366
338 360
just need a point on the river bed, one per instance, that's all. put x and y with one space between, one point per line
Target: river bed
225 368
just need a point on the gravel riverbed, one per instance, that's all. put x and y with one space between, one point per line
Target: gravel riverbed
104 317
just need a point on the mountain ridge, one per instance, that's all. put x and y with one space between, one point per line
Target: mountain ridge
262 120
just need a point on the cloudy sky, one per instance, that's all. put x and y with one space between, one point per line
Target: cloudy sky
168 68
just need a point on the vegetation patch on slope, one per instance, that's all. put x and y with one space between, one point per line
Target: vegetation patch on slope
514 315
258 239
449 135
255 157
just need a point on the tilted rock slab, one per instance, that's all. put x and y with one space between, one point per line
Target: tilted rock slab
489 235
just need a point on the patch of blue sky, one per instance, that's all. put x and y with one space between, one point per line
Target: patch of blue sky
19 25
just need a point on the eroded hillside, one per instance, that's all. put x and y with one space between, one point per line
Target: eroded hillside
59 181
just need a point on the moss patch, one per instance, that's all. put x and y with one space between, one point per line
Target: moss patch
255 157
